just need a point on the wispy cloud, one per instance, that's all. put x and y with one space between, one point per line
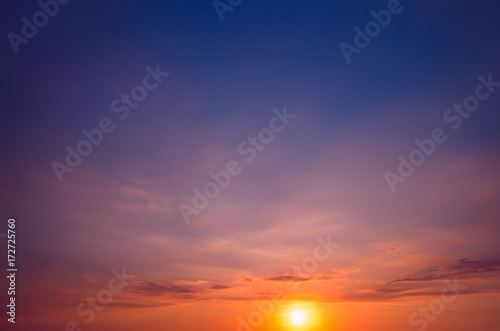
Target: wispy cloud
152 288
459 268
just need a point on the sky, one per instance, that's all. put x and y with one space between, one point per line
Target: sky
218 165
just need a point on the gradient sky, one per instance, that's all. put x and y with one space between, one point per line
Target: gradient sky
321 177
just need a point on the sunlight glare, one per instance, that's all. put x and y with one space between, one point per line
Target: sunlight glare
298 317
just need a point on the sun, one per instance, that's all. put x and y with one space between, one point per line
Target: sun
298 317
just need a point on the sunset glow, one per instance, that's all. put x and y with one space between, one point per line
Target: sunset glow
250 165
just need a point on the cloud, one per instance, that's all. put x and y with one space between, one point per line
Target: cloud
387 294
152 288
288 278
294 278
135 305
390 291
461 267
220 287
